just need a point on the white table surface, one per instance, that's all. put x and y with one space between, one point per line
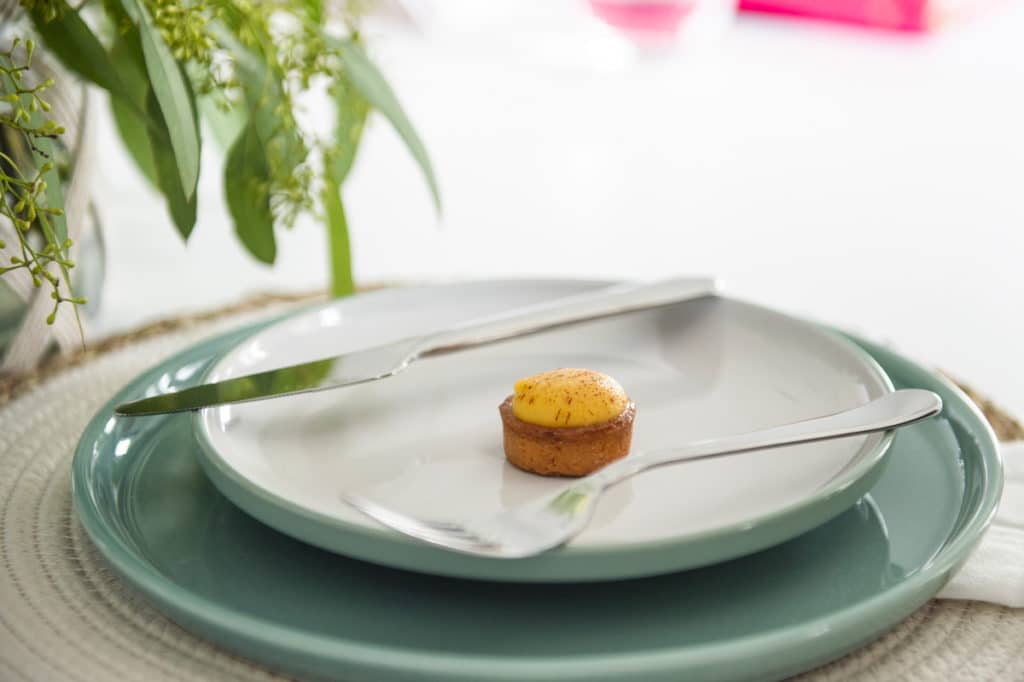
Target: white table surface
865 179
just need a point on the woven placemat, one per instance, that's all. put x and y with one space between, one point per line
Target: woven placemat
65 616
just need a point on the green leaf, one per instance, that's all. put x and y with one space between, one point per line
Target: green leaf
55 228
351 120
130 116
54 193
180 204
175 98
365 76
79 50
40 151
133 9
182 208
314 10
339 250
140 120
226 126
135 136
263 88
126 52
246 184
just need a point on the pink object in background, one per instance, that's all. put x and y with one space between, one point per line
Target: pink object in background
906 15
641 18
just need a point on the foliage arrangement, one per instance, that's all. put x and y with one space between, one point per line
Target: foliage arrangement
238 65
30 189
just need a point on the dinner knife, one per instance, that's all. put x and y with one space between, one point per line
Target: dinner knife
381 362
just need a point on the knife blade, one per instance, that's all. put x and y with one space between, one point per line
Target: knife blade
381 362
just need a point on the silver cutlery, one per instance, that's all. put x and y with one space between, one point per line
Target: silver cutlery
555 519
381 362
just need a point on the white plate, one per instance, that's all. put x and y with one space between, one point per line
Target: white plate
428 442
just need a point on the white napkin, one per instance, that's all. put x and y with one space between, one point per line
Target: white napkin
995 570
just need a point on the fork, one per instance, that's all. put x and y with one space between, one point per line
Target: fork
553 520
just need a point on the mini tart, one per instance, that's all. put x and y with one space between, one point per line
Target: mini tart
565 450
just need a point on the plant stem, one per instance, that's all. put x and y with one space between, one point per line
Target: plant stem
337 240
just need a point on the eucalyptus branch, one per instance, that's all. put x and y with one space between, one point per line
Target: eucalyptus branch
23 189
243 65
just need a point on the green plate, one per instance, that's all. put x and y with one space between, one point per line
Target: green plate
144 500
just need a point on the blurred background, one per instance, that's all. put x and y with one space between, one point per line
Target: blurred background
862 167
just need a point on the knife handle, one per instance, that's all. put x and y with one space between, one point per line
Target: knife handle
590 305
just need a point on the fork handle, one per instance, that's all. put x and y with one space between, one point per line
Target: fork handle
590 305
887 412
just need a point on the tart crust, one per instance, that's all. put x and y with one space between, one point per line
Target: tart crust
566 450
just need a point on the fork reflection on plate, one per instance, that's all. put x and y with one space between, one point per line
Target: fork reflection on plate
550 522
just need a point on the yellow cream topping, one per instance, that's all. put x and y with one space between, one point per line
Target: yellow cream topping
568 397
